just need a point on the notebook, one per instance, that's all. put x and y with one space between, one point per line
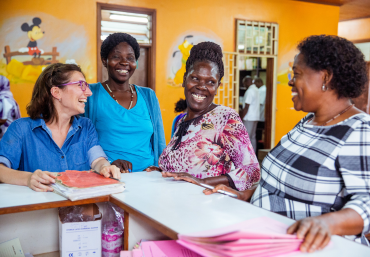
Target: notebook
78 185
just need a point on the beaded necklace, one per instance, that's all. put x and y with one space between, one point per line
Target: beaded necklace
132 95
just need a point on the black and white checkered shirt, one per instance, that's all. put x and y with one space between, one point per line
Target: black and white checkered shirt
319 169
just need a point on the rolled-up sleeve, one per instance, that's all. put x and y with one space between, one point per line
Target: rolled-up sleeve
95 150
354 165
245 169
5 161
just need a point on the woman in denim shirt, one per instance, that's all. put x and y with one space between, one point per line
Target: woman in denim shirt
54 138
127 117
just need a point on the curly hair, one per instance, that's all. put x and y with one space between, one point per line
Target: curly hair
205 51
181 105
339 57
114 39
41 105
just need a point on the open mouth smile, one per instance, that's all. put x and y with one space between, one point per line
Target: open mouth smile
198 97
122 72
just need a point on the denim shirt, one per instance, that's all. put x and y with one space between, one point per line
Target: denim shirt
158 140
28 145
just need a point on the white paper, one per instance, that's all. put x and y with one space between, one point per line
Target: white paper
11 248
84 193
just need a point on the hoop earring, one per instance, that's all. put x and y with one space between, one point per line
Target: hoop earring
324 88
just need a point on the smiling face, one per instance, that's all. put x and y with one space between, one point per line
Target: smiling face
121 62
306 86
201 86
72 97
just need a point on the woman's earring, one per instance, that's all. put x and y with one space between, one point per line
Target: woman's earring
324 88
60 99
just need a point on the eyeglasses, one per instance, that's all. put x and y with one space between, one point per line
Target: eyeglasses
83 84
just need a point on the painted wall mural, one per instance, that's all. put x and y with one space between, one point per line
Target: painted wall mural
180 52
31 42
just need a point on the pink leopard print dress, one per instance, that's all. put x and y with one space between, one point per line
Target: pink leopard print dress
217 144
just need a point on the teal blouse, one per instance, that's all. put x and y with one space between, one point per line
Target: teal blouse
125 134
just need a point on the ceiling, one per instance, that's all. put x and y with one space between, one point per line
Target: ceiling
349 9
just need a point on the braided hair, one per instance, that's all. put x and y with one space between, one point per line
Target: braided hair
205 51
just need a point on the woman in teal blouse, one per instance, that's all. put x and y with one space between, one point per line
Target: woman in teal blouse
127 117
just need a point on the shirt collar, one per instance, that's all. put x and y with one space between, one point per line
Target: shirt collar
41 123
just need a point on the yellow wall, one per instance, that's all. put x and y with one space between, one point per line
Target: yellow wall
296 20
355 29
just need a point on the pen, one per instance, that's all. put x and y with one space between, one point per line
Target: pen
219 191
103 176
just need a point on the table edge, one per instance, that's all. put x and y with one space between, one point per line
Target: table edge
50 205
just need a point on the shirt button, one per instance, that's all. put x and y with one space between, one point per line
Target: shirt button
62 157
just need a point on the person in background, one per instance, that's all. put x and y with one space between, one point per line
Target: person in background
319 173
211 144
251 111
54 138
127 117
9 109
246 82
180 106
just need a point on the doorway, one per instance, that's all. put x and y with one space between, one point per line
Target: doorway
256 47
139 23
263 68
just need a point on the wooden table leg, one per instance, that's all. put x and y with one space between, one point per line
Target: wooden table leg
125 233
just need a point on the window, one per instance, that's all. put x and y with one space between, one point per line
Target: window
254 37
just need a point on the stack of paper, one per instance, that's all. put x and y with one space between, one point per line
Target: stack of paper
78 185
257 237
167 248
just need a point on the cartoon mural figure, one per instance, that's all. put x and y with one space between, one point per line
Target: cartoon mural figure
184 48
34 33
180 52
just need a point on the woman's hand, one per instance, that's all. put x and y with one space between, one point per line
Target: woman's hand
153 168
315 231
183 176
110 171
227 189
124 166
39 179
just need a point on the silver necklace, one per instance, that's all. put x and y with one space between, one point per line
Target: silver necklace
132 95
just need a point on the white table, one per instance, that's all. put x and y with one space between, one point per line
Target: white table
156 208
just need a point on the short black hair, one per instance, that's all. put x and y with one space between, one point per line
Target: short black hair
114 39
181 105
339 57
205 51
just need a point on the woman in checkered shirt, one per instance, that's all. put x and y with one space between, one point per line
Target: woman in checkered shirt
319 173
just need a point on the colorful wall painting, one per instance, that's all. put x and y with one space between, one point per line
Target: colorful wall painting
180 52
33 41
